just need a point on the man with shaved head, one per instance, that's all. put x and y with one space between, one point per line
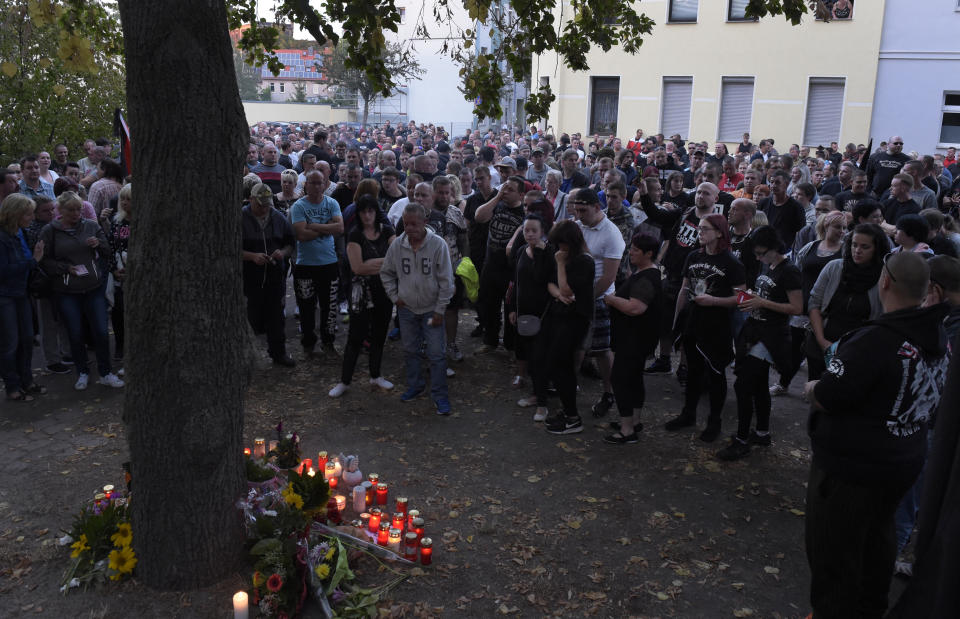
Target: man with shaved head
868 430
883 166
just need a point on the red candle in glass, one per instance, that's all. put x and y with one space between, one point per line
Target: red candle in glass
374 521
383 535
365 521
426 551
410 547
321 460
398 521
371 493
374 479
382 494
246 451
402 505
418 526
333 483
413 513
305 464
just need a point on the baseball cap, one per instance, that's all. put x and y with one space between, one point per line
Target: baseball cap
262 193
536 149
507 162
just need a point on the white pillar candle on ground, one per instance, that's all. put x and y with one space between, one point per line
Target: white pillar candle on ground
240 610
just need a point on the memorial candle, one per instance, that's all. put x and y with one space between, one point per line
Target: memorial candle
393 541
418 527
305 464
328 470
411 514
333 482
374 479
398 521
371 493
410 547
259 448
321 460
240 610
374 522
247 452
426 551
402 505
382 493
383 535
341 503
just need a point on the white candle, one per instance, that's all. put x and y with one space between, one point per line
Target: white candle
240 605
338 468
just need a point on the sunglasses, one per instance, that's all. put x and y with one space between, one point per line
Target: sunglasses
897 143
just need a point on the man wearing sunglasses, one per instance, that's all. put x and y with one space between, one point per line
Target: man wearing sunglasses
868 430
882 167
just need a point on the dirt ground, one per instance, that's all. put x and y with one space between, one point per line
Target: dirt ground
525 523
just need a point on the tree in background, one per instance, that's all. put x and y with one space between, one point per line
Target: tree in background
56 86
248 79
399 61
299 92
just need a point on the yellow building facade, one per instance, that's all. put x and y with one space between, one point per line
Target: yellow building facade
707 74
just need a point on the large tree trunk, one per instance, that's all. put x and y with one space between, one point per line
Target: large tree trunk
185 319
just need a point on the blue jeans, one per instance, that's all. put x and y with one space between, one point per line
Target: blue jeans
906 515
92 307
414 333
16 342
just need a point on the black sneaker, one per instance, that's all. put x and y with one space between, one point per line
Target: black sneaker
603 405
710 433
285 361
67 360
615 426
621 439
760 441
682 374
734 451
660 366
568 425
679 422
58 368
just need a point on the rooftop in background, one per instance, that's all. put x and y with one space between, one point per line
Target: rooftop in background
299 64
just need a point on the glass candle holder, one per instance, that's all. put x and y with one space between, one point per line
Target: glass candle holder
383 534
259 448
382 490
410 547
393 540
341 503
413 513
426 551
328 470
418 527
399 521
374 522
402 505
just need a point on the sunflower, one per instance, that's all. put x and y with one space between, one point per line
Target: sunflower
79 546
322 571
274 583
123 536
122 562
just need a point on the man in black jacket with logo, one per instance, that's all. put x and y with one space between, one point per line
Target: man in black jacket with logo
868 429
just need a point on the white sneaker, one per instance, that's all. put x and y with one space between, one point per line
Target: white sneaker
453 351
541 413
527 402
81 383
519 381
120 372
382 383
450 373
110 380
777 390
338 390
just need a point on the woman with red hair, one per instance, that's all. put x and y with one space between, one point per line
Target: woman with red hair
704 308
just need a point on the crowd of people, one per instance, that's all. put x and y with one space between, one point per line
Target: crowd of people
602 257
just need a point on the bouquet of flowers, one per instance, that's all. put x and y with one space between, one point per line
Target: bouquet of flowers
100 544
287 451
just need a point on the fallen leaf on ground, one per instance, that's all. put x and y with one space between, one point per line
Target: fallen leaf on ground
771 570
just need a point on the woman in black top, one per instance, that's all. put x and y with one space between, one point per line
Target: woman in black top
709 277
764 339
810 259
534 268
370 307
565 325
635 330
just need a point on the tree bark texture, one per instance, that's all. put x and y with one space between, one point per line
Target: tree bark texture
186 367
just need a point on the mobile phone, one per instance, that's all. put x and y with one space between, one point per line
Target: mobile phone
81 269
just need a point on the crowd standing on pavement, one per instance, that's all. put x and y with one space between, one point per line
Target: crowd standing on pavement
581 256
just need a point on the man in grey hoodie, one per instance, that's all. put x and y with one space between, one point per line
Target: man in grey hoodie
418 277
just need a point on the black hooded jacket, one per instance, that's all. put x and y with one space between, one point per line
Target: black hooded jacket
878 395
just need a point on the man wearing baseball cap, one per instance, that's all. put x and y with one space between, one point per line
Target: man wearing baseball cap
537 170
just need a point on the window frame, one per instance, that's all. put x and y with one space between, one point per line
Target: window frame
948 109
740 20
753 106
592 102
671 20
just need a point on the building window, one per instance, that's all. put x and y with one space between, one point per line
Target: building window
316 89
281 86
737 11
273 87
736 108
950 125
683 11
675 106
824 111
604 104
403 14
839 9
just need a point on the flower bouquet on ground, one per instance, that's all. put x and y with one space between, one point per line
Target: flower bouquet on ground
100 544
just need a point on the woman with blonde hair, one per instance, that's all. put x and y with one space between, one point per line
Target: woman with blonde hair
16 317
289 193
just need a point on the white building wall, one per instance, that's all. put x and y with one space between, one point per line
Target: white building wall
919 60
434 97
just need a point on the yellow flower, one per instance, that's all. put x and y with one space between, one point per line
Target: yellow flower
322 571
330 553
122 562
79 546
258 579
123 536
292 498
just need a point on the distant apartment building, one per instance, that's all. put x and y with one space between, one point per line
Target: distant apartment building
707 72
300 66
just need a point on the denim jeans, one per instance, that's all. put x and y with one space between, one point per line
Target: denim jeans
92 307
16 342
906 516
414 333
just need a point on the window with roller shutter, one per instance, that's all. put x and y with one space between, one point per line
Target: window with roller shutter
824 111
736 108
675 106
